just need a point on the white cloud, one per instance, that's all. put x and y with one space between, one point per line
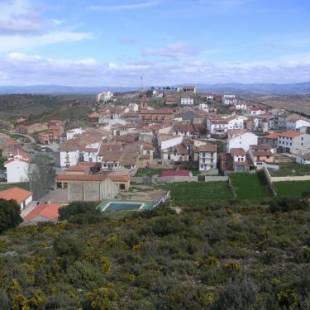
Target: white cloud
22 27
20 42
125 7
27 69
18 16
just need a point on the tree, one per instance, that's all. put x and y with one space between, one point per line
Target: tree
41 175
80 212
9 214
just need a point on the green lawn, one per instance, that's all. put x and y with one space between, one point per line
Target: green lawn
250 186
292 189
196 194
291 169
148 172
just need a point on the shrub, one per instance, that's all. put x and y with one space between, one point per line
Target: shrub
9 215
238 295
76 211
288 205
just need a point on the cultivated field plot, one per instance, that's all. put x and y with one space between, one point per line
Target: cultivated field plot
291 170
196 194
292 189
250 186
300 104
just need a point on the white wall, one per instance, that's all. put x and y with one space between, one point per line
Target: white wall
171 142
236 123
301 144
295 125
17 171
207 161
243 141
73 133
187 101
69 158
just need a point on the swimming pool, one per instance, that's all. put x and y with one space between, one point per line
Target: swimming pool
116 206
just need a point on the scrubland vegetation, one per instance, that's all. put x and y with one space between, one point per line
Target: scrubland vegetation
206 257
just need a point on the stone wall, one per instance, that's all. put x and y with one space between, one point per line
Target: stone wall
216 178
92 191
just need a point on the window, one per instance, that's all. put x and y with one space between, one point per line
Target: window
122 187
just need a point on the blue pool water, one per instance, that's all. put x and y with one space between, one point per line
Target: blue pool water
119 206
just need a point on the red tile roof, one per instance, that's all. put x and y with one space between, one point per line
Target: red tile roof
92 178
15 193
272 136
209 148
238 152
289 134
80 178
48 211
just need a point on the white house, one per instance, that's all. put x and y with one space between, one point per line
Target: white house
221 125
69 158
132 107
294 142
254 111
90 154
240 139
230 100
296 123
104 96
203 107
167 141
207 155
73 133
240 162
187 101
168 146
241 106
238 154
17 170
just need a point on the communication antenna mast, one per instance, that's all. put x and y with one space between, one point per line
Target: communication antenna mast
142 86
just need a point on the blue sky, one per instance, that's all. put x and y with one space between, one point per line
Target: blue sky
114 42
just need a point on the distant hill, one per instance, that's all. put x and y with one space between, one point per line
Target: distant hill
59 90
235 88
258 89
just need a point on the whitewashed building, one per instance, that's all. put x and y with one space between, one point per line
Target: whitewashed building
187 101
240 139
104 96
207 156
203 107
69 158
230 100
296 123
17 170
221 125
294 142
73 133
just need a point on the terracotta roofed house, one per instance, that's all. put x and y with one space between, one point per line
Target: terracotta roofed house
43 213
294 142
21 196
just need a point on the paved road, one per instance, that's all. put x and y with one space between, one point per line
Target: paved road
31 139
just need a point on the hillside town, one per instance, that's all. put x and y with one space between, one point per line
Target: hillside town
135 141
